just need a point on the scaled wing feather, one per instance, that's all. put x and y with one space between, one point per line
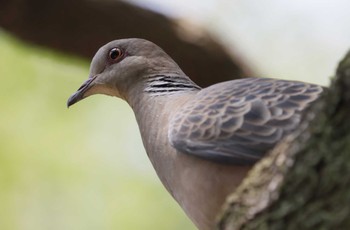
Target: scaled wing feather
239 121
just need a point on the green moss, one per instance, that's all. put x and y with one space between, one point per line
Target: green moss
312 167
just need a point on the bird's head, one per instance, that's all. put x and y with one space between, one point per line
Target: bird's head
121 65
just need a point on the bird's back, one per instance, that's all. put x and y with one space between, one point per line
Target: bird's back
239 121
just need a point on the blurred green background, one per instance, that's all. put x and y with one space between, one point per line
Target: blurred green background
71 169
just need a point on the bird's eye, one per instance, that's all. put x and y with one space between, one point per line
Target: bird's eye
115 54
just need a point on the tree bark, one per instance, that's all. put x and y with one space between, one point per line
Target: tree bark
305 182
80 27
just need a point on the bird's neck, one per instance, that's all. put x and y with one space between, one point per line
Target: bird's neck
157 91
153 105
166 85
158 95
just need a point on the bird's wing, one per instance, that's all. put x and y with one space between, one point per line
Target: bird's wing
239 121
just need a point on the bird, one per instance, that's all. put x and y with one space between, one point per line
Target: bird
202 142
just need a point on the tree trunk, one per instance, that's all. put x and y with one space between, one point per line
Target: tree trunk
305 182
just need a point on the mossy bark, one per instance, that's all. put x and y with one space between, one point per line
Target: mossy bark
305 182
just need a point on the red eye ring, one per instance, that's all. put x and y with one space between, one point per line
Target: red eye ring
115 54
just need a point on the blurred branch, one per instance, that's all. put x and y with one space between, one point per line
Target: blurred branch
81 26
304 183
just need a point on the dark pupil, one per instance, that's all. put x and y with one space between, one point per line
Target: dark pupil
114 53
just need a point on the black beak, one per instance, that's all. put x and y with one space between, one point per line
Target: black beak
79 94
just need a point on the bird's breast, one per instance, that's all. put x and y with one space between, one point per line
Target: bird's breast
199 186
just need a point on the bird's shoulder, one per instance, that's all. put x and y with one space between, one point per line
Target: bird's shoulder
239 121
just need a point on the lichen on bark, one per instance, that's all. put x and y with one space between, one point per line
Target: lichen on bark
305 182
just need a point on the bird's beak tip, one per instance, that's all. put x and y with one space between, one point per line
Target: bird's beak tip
79 94
68 104
74 98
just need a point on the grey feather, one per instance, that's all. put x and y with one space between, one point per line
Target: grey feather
239 121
